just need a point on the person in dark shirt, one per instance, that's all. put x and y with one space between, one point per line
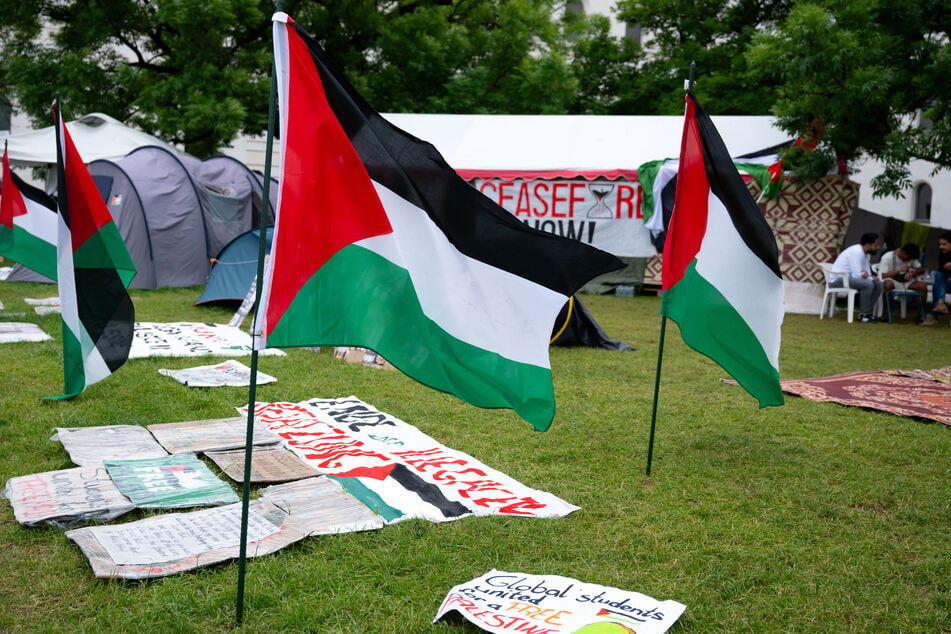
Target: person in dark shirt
941 275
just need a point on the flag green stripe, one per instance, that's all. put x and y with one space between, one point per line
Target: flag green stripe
711 326
32 252
74 372
359 298
105 249
368 498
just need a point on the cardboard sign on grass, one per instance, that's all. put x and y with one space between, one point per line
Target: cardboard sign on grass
322 506
269 465
230 373
93 445
177 481
168 544
66 497
15 332
187 339
213 434
501 601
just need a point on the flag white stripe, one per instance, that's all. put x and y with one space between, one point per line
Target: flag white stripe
486 306
38 221
743 279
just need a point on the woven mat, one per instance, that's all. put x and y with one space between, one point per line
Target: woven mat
916 393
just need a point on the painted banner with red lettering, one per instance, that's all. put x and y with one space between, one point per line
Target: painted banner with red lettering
395 469
501 601
604 214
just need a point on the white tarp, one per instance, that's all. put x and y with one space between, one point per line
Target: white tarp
96 135
581 143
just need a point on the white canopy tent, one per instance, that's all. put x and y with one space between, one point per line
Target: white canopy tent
571 145
96 135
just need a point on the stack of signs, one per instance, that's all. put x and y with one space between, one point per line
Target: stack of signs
168 544
513 602
395 469
93 445
66 497
177 481
356 468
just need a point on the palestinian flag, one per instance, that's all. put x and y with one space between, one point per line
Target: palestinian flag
27 224
378 243
94 271
721 281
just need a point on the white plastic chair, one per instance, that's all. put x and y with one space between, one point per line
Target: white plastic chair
834 292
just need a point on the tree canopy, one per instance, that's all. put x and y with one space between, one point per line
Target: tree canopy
195 72
869 76
860 73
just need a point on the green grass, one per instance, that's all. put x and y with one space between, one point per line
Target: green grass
811 517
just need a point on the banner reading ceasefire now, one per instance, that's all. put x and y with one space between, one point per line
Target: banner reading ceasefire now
604 214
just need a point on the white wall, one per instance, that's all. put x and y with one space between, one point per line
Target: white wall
904 208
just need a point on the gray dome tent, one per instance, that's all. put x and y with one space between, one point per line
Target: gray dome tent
175 212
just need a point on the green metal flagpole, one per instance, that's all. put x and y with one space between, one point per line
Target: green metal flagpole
663 330
252 391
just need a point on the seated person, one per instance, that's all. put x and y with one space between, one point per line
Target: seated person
941 275
855 261
900 268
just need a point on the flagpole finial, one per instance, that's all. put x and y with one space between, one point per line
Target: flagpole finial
688 83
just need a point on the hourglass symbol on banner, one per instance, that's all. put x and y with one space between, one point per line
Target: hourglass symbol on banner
600 191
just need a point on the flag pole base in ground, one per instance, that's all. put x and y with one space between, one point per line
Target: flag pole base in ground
660 358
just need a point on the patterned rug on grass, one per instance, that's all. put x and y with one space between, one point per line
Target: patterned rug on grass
917 393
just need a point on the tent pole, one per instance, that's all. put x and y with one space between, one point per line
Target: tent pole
660 358
252 390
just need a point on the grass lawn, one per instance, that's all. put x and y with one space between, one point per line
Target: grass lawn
810 517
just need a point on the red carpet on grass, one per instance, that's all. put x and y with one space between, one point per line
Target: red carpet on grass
918 393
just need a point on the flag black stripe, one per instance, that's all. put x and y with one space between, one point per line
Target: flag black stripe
35 194
727 185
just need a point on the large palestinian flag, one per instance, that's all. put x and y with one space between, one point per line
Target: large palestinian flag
94 271
27 224
721 280
378 243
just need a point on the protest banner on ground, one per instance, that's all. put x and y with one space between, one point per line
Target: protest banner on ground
177 481
213 434
92 445
230 373
267 465
66 497
187 339
14 331
168 544
395 469
322 506
501 601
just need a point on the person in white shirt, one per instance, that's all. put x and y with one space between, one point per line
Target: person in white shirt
856 262
899 268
